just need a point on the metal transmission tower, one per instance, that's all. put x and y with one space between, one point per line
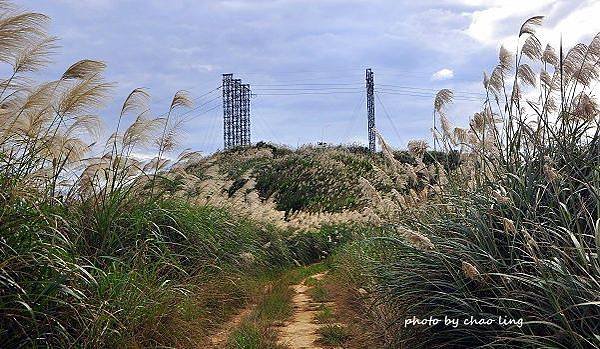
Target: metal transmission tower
228 108
245 115
371 108
236 112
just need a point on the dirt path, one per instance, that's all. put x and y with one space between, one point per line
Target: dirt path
219 339
301 330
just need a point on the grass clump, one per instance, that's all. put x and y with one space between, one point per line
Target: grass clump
333 335
514 234
249 336
325 314
318 292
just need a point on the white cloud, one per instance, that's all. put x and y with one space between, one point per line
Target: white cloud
499 22
358 140
203 67
142 156
443 74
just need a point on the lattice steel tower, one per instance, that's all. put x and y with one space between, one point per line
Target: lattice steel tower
370 108
236 112
245 115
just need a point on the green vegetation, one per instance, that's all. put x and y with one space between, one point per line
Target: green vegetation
275 306
516 233
334 335
318 293
325 315
312 179
101 249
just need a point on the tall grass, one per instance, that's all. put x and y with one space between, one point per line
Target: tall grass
95 251
515 233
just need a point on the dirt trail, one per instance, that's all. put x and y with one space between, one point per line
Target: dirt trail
301 330
219 339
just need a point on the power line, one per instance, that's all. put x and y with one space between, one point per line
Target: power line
327 71
202 113
310 84
208 93
199 106
428 89
388 116
309 89
196 98
432 95
307 93
265 126
326 78
211 134
353 118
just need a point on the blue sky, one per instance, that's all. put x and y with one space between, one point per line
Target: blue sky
286 47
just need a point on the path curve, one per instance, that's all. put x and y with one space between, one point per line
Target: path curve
219 339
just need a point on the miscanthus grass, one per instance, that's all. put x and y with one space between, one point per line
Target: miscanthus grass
515 230
97 247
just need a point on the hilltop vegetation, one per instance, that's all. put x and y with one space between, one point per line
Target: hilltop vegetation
312 178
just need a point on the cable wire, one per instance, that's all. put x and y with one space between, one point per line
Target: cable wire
388 116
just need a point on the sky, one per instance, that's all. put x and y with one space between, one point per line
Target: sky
304 59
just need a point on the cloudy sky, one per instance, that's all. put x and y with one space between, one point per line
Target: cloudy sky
305 59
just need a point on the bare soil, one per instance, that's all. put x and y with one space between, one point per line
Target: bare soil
301 330
219 339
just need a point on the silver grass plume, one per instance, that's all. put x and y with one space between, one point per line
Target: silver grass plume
509 225
460 135
137 101
594 47
470 271
417 149
549 56
546 79
505 58
496 81
34 56
485 81
387 151
84 96
142 131
18 31
85 124
181 99
584 107
529 26
84 69
532 47
416 239
526 75
442 99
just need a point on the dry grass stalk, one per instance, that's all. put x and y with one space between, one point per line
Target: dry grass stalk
470 271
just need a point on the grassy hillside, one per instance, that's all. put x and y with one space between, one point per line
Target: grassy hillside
314 178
